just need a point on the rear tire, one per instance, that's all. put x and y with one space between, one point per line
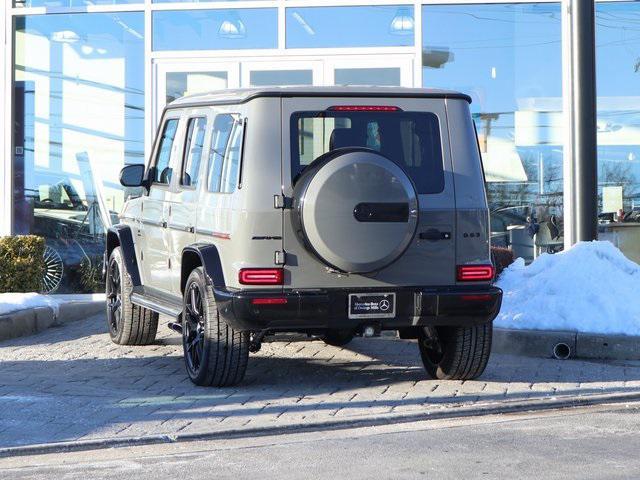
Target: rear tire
128 324
215 354
338 338
464 352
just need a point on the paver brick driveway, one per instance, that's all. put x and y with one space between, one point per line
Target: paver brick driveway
71 383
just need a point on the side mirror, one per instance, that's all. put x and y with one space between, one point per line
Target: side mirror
132 176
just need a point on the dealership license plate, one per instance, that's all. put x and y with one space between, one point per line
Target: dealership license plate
372 305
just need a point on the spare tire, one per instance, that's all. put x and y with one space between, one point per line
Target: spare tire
355 209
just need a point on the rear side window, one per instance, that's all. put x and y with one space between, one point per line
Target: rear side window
193 148
231 166
225 152
222 126
410 139
162 170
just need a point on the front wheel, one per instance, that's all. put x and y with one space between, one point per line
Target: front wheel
128 324
215 354
456 353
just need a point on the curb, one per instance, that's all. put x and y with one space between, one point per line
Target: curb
545 404
541 343
29 321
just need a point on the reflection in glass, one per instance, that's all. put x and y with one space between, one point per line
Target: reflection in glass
78 119
231 165
232 27
266 78
220 133
215 29
180 84
368 76
70 3
162 171
371 26
193 147
409 139
508 58
618 123
402 23
191 1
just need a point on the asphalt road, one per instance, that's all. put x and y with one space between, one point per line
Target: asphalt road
594 442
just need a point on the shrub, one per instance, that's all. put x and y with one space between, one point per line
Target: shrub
502 258
21 263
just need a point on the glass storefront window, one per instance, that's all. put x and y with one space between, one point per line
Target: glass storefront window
371 26
70 3
78 119
508 58
387 76
618 123
266 78
190 1
215 29
180 84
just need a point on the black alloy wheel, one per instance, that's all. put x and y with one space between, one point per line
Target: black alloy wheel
114 297
193 329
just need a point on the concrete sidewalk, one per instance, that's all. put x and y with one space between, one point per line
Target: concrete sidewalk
27 320
72 384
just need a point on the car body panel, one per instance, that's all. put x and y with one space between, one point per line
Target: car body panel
252 225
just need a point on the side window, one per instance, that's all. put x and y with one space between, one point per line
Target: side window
232 160
220 134
162 170
193 147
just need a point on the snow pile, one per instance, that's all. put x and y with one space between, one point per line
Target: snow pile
11 302
591 287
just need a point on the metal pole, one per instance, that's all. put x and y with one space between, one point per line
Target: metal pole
568 140
585 159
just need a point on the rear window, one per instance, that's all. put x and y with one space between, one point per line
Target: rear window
410 139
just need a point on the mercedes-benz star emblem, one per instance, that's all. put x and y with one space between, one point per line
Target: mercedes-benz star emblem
384 305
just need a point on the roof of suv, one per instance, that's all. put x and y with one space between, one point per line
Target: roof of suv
234 96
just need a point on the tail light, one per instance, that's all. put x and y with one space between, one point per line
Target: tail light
365 108
475 273
261 276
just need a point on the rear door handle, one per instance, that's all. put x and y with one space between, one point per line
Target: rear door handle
433 234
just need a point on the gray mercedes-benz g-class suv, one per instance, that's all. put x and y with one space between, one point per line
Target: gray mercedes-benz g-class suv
333 212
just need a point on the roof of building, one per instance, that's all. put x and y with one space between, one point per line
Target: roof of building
234 96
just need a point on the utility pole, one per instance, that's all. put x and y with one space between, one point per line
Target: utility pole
579 86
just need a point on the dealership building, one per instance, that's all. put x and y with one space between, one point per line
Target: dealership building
85 81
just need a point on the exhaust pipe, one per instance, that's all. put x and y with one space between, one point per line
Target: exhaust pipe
176 327
561 351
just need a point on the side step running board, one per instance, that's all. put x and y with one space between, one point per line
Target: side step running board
157 304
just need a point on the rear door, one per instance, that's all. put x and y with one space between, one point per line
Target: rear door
415 137
219 192
183 202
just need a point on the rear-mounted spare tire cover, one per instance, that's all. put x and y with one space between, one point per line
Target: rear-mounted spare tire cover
356 210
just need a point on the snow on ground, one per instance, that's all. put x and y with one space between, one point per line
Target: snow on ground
591 287
11 302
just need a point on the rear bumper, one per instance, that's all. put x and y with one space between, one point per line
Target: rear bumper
309 310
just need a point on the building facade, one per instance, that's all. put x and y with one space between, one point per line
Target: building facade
86 80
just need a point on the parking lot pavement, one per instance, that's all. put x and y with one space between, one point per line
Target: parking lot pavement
71 383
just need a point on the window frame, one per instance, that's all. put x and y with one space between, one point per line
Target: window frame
187 145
